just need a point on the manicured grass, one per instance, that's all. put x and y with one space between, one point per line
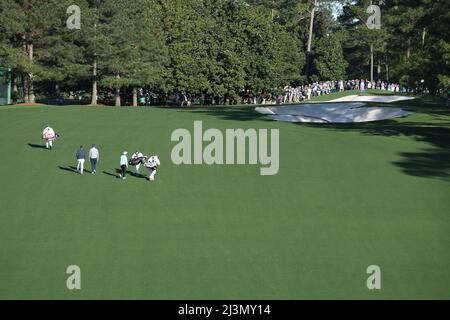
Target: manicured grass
333 96
346 197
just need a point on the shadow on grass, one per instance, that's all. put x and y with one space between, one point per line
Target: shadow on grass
228 113
119 171
428 163
72 169
68 169
426 104
37 146
111 174
133 174
433 162
85 170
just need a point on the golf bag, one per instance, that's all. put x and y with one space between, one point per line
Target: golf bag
51 136
135 161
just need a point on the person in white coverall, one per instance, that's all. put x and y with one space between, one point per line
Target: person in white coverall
152 165
49 136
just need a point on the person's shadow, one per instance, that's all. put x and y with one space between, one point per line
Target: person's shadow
119 171
72 169
37 146
133 174
112 174
68 169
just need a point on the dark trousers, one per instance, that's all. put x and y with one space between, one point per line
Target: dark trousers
124 170
94 165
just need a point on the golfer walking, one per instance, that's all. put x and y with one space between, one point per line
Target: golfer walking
123 165
49 136
81 157
137 159
94 156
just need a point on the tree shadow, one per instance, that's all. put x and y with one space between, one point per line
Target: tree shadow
431 162
428 163
426 104
229 113
37 146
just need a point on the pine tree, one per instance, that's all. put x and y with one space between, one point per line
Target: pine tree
330 64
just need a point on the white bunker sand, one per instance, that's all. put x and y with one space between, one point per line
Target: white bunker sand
331 113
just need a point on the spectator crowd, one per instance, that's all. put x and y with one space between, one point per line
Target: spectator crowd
295 94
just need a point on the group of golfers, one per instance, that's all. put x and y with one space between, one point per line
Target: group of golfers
137 159
151 163
94 157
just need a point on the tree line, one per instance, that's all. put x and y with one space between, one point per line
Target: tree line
222 50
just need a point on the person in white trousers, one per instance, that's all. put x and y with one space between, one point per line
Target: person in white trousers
152 165
49 136
81 158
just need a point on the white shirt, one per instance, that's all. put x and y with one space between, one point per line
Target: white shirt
137 155
48 133
152 162
93 153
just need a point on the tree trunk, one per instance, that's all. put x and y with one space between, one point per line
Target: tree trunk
117 97
15 89
371 57
371 62
424 35
135 97
387 72
31 96
311 26
310 39
273 10
117 94
94 83
379 69
57 94
25 89
408 50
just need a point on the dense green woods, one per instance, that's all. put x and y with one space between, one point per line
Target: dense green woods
221 51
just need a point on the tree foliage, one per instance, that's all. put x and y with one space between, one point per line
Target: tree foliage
220 51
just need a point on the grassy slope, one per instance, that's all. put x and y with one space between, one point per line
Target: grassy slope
345 198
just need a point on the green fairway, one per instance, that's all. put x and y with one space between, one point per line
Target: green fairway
346 197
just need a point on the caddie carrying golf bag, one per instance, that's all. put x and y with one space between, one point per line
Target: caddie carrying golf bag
136 161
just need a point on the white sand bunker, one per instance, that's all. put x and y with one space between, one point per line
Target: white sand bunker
383 99
331 113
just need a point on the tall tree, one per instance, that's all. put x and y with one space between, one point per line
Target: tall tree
330 64
133 53
362 43
419 42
